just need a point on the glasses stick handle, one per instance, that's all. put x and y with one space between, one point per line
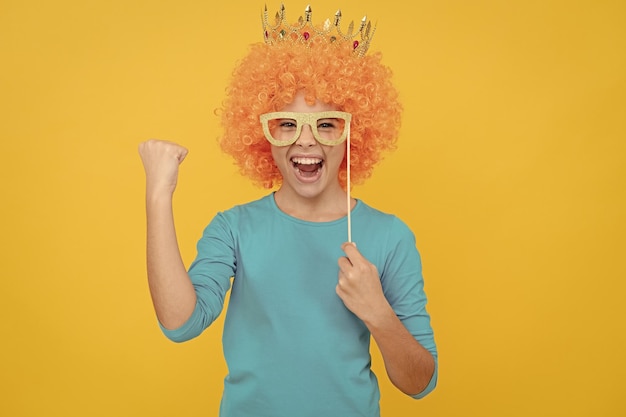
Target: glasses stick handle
348 184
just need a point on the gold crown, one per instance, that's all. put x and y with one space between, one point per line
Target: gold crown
305 32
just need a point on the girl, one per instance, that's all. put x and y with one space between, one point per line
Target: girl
307 113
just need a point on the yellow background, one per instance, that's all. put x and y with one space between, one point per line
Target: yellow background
510 171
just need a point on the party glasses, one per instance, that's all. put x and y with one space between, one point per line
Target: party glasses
284 128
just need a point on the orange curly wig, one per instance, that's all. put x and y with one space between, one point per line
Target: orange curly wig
268 78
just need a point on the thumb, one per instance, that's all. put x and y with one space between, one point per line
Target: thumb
181 154
351 251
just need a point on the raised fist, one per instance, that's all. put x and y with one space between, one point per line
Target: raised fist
160 161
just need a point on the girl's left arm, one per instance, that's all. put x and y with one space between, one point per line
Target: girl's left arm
409 365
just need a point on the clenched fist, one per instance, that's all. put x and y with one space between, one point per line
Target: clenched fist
160 161
359 285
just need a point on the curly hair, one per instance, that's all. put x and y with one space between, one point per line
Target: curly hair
269 77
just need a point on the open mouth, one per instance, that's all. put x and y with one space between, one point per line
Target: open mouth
307 167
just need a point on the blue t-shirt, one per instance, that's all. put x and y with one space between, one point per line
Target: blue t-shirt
291 346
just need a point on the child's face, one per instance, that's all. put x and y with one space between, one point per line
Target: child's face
309 169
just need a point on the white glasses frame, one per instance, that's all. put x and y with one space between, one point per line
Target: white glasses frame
310 119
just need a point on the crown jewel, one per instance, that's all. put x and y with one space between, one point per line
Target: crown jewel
305 32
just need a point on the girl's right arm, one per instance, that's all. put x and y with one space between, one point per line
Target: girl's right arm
173 294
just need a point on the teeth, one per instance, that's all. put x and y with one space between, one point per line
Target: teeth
306 161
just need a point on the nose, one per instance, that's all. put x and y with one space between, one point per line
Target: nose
306 138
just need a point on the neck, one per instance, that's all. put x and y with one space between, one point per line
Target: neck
321 208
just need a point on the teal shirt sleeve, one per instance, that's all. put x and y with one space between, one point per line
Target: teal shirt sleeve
210 274
403 284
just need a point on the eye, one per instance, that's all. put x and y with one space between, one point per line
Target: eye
287 124
327 124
